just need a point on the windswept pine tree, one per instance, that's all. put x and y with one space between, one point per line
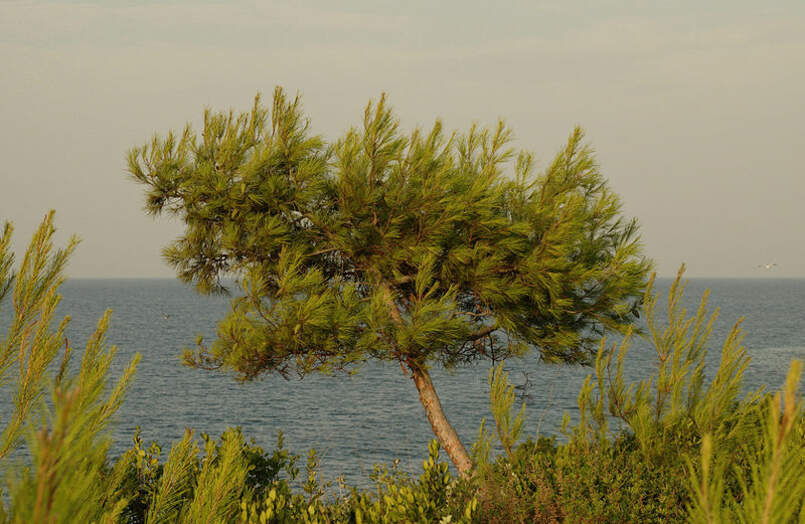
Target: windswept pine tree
421 249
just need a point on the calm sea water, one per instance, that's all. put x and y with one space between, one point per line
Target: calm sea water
374 416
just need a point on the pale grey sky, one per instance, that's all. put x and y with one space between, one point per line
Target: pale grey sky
696 109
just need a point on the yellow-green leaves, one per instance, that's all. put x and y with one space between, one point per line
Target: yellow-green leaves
220 483
30 343
772 488
501 400
676 400
67 480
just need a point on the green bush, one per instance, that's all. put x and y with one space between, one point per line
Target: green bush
608 482
272 491
689 448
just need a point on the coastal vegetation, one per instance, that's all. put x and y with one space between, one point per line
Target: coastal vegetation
676 446
418 249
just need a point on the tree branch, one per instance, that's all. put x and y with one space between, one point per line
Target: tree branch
482 333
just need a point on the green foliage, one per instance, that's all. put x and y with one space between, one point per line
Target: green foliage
176 482
220 483
398 498
772 487
501 396
191 487
508 431
180 491
383 245
29 343
687 448
417 248
67 480
545 481
674 407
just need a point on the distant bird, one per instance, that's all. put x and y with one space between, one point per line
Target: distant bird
165 316
768 267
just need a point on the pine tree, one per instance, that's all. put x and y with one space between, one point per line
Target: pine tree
417 249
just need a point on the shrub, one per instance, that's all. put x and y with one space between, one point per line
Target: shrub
688 448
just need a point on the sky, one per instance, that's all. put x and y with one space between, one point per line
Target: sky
696 110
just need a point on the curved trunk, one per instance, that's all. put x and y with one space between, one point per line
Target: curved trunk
448 438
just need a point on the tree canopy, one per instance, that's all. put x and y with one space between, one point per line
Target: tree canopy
421 248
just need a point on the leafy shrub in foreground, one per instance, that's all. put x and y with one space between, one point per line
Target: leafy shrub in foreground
169 493
64 416
609 482
143 483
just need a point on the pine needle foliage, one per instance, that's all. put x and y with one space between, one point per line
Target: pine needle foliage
221 481
676 405
176 483
391 246
676 446
67 480
29 342
418 248
501 400
772 489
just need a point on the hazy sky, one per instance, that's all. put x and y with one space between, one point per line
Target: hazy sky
696 109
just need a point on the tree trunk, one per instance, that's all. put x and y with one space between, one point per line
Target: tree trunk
448 438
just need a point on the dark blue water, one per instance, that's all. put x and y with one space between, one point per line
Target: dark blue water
374 416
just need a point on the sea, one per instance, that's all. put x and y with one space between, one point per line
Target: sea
373 416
